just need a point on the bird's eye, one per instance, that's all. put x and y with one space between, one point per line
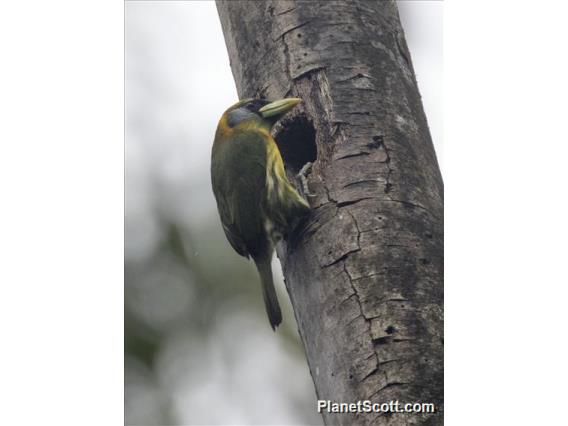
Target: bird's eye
255 105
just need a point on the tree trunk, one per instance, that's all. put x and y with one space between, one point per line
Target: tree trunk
364 273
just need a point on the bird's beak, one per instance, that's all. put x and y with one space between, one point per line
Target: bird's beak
280 107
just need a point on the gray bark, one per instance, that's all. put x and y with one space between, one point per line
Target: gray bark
364 273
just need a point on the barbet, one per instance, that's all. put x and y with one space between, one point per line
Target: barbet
256 202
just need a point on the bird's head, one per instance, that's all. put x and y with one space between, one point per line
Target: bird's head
255 114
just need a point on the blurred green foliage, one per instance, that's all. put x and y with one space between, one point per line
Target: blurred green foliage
188 284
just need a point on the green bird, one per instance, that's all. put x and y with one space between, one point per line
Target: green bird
256 202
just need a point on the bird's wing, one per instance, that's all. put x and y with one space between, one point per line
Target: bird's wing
240 188
231 230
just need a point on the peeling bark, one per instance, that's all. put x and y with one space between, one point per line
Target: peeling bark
364 272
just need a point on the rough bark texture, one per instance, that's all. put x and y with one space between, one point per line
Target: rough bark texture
364 273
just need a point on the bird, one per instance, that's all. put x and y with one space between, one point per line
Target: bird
256 202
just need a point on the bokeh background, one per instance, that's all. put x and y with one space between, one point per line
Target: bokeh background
198 347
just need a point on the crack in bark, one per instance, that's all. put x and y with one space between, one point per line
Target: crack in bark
356 227
343 257
387 386
371 373
329 199
365 89
360 182
391 361
351 321
383 340
358 300
281 36
397 299
346 299
308 72
409 203
392 384
357 76
388 184
359 113
286 52
285 11
351 202
382 200
358 154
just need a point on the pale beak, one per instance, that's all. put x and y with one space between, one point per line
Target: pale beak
279 107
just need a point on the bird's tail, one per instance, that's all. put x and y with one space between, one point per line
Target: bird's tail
269 292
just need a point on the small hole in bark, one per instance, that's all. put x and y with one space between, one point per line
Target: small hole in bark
296 139
390 329
329 252
376 143
305 54
351 376
425 261
428 235
299 35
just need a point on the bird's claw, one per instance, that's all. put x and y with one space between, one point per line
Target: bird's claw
303 176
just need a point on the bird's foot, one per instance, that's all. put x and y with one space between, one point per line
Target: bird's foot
303 176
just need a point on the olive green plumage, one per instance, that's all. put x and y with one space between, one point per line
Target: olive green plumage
256 202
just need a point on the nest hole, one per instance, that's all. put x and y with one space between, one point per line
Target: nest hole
296 140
